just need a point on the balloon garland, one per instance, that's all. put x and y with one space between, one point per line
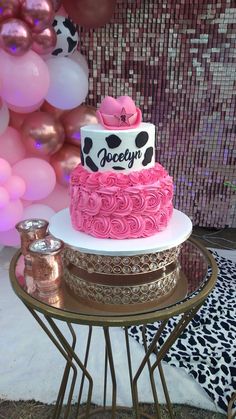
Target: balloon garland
43 86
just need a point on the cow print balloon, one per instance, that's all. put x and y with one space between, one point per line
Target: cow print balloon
67 36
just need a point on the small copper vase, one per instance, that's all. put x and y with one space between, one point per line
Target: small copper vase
47 267
30 230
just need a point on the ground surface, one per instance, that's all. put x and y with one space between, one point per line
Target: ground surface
33 410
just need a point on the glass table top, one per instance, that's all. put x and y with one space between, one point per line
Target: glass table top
198 273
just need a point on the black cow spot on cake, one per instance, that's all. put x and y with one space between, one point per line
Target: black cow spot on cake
88 143
90 163
82 157
141 139
118 168
113 141
147 156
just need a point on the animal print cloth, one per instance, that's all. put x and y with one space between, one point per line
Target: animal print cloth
207 348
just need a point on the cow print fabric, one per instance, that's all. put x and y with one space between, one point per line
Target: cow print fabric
206 349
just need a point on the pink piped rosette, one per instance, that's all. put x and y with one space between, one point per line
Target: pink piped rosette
120 205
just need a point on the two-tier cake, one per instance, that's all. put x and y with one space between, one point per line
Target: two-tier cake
120 195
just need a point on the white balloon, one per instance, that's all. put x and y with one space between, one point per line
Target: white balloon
67 36
68 83
4 117
81 60
38 211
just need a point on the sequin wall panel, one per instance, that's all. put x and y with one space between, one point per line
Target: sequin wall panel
177 60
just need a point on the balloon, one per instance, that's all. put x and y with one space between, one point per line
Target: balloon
45 41
58 199
9 8
10 238
42 134
37 14
68 83
11 147
67 36
64 161
10 215
77 118
4 197
25 109
15 37
39 177
15 186
38 211
46 107
4 117
90 13
81 60
25 80
16 120
56 4
5 171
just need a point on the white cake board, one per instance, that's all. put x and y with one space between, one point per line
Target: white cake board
178 230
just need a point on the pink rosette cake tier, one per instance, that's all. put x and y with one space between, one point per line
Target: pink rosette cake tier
121 206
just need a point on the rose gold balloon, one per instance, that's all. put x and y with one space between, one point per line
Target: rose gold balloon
57 113
56 4
42 134
16 119
38 14
77 118
45 41
15 37
64 161
9 8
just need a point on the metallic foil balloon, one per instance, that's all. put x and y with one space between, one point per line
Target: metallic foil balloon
45 41
57 113
64 161
42 134
77 118
38 14
90 13
56 4
15 37
9 8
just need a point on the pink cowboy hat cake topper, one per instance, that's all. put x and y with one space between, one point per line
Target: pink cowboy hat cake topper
120 113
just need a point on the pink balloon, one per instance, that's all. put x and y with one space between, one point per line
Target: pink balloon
25 80
37 14
5 171
10 238
15 186
11 146
58 199
62 12
39 177
4 117
38 211
4 197
10 215
25 109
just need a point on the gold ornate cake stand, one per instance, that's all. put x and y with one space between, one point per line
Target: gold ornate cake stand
198 268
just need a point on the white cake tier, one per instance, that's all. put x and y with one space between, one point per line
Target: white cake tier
117 150
178 230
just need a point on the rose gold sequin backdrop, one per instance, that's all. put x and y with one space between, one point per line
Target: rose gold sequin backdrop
176 59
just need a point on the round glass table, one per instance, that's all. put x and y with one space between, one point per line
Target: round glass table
198 273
